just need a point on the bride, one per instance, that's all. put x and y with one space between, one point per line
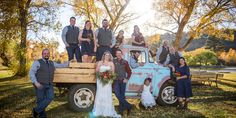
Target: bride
103 105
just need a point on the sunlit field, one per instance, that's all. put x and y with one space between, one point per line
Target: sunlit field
17 99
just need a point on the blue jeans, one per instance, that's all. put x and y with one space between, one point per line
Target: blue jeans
44 96
119 88
100 51
72 50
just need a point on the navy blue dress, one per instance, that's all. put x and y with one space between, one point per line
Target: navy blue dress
87 48
183 86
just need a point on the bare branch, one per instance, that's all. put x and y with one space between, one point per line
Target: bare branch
108 12
162 29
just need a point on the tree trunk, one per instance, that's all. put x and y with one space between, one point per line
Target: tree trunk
23 9
182 24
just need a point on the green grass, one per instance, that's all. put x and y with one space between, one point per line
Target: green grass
17 98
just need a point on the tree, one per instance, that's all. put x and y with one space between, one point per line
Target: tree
96 10
30 16
196 16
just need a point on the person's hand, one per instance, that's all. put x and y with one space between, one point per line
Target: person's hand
141 64
97 45
67 45
139 94
125 80
111 46
38 85
88 40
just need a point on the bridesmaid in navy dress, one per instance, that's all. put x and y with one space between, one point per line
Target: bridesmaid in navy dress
183 88
88 44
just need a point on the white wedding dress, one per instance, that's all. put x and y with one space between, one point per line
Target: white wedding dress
103 105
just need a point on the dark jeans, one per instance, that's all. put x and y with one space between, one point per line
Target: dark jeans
100 51
44 96
119 88
72 50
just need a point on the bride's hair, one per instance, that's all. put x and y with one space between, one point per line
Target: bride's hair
103 56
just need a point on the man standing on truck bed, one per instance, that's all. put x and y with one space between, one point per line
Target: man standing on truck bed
123 72
70 36
105 39
41 75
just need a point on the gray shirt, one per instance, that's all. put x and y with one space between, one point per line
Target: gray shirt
36 65
113 40
133 63
63 34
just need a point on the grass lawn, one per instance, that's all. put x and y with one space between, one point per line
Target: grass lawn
17 98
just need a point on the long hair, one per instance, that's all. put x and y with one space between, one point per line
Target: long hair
88 21
138 30
118 35
184 61
103 56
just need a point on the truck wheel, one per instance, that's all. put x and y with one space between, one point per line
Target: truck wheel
166 95
81 97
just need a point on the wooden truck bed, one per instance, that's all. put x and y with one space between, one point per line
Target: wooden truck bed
76 73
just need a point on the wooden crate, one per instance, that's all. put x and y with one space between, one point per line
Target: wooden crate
83 65
76 73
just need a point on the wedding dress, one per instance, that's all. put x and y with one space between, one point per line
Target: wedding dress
103 105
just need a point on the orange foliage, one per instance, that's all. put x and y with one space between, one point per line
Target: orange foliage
229 57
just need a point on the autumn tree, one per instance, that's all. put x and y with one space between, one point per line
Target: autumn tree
197 17
26 16
96 10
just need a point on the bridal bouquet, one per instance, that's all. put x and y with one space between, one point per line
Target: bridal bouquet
106 77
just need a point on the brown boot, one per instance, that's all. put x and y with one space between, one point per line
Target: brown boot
186 104
181 105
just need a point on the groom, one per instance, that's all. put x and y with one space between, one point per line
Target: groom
123 72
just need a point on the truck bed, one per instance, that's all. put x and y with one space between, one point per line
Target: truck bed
76 73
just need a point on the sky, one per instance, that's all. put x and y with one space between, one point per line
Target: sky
142 8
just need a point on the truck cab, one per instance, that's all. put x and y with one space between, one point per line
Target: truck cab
163 90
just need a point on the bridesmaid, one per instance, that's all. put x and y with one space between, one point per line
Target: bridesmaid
119 42
183 88
137 37
88 44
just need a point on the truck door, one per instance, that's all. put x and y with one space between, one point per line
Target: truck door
141 69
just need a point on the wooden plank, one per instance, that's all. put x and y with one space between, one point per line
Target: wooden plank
74 71
82 65
73 78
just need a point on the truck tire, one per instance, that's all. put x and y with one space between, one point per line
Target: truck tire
166 95
81 97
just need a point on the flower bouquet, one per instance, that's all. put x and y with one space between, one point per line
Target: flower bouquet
106 77
90 36
177 74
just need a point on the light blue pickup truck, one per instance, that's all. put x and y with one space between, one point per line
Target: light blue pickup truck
79 79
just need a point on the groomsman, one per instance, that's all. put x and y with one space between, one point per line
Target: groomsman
162 53
41 75
70 36
105 39
123 72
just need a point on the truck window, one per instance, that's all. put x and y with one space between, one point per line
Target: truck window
136 57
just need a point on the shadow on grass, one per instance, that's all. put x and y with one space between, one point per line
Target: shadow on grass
11 78
63 111
229 80
227 84
204 90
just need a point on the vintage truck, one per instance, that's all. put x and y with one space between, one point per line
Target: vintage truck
79 80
